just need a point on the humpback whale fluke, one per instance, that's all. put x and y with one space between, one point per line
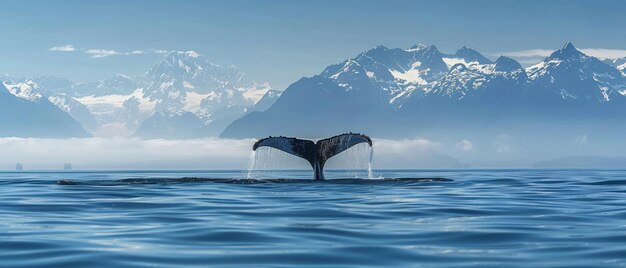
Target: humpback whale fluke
315 153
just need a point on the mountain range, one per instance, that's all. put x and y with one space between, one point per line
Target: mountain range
386 92
420 91
183 95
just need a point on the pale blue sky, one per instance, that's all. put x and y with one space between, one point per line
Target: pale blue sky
281 41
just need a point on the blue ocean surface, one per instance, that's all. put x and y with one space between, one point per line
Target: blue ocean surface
482 218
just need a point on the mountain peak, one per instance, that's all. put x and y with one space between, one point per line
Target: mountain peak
464 48
418 46
430 51
376 49
379 47
432 48
567 53
184 54
121 76
506 64
192 54
471 55
569 46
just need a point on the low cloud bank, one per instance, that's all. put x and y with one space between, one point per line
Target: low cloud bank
208 153
124 153
501 151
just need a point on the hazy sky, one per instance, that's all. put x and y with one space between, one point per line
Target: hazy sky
281 41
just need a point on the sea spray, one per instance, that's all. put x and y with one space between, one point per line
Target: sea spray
251 163
355 162
268 163
370 173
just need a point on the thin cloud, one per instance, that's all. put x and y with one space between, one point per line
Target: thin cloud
525 53
465 145
603 53
64 48
103 53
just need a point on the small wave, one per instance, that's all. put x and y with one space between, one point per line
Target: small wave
141 181
607 182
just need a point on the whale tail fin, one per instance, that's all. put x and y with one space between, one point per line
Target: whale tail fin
301 148
332 146
315 153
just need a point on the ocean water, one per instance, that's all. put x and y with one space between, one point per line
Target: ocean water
482 218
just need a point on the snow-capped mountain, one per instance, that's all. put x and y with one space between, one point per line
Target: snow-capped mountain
393 75
54 83
464 80
179 82
386 74
186 82
34 92
573 75
345 96
181 124
267 100
469 55
118 84
24 112
382 91
420 88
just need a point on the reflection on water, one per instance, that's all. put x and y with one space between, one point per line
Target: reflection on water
480 218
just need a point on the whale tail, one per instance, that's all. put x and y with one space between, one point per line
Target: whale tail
315 153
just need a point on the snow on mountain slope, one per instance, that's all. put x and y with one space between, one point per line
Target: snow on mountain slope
620 64
108 103
575 76
119 113
32 91
25 91
77 110
467 57
54 83
118 84
187 82
451 62
471 55
254 95
462 80
388 73
177 73
24 112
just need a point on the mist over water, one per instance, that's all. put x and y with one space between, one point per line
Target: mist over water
509 218
213 153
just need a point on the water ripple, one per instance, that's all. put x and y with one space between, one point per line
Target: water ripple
476 218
